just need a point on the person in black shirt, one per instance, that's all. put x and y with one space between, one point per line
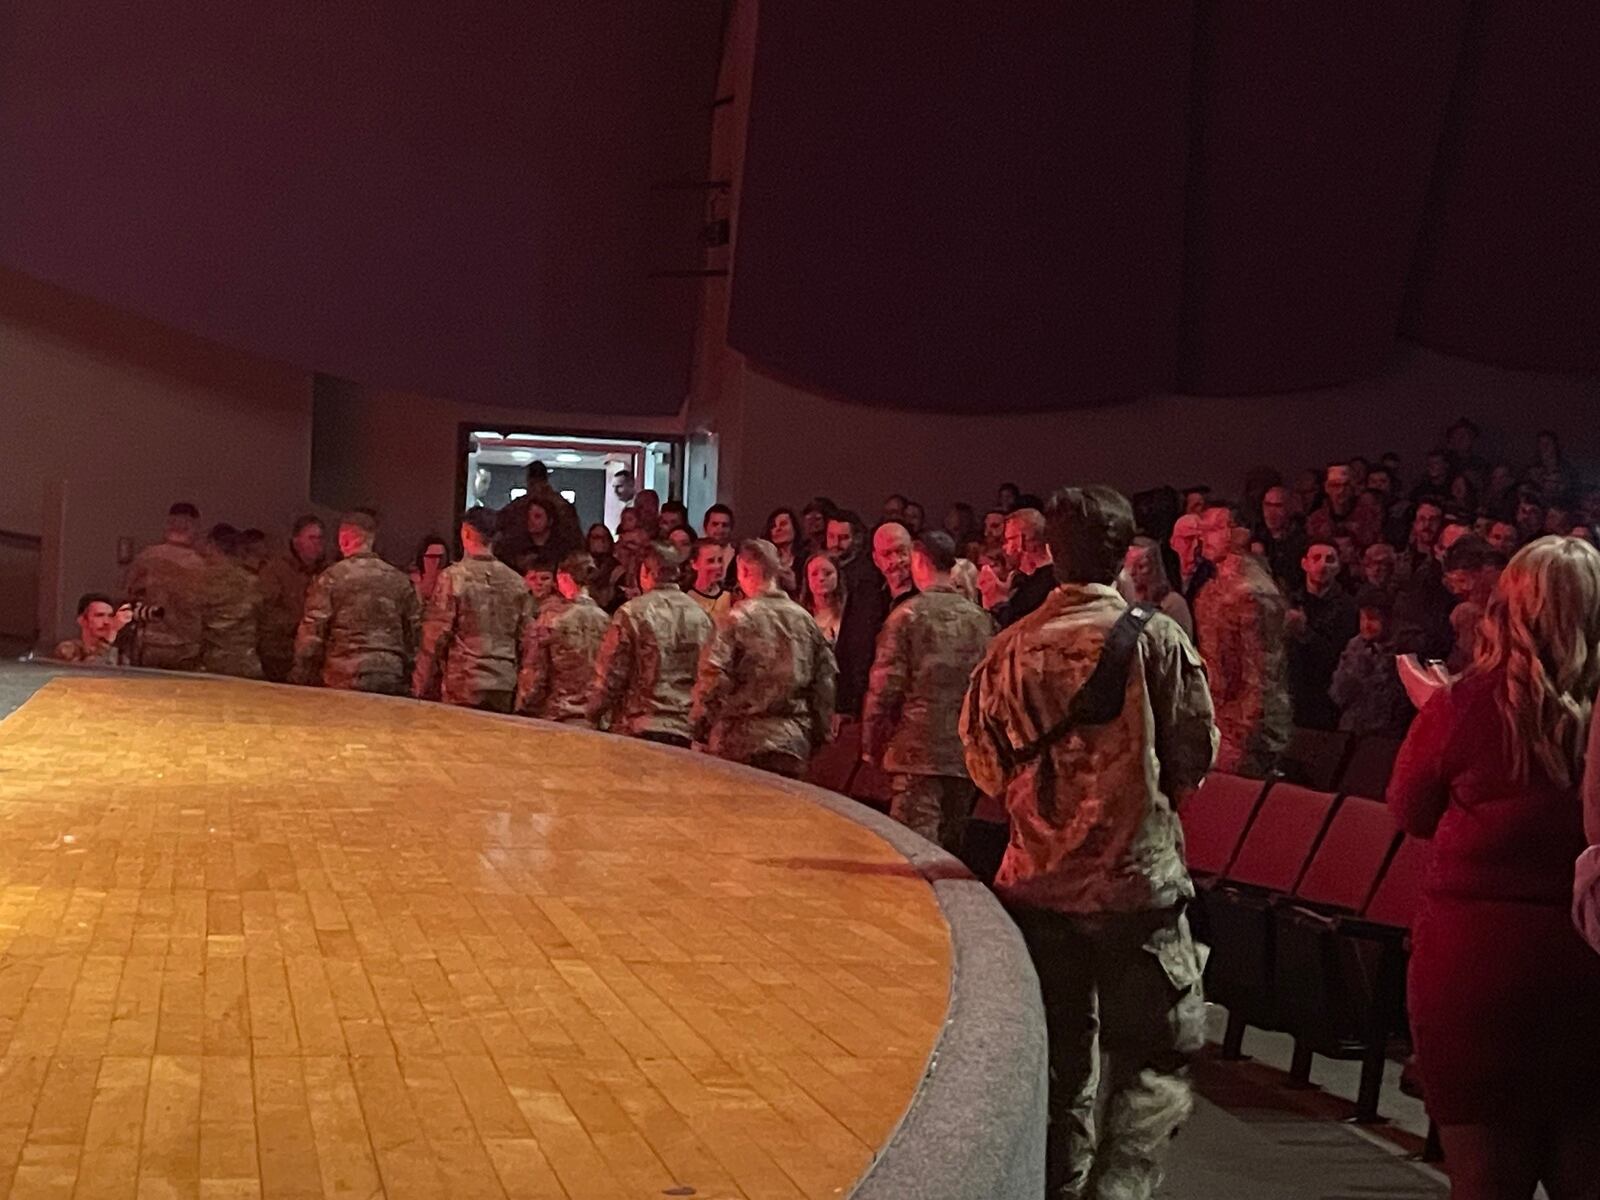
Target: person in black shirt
865 607
1321 621
1031 578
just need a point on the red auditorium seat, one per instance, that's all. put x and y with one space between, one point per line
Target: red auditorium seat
1315 758
1215 819
1349 859
1394 903
1339 981
1280 839
1366 773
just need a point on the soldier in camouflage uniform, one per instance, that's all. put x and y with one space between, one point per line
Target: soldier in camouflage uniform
764 693
96 643
1094 874
359 631
910 722
1239 625
170 575
285 580
230 618
478 627
558 670
648 659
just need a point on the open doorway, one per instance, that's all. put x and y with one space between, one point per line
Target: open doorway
593 473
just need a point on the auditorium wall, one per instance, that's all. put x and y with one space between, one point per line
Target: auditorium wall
797 444
109 418
396 452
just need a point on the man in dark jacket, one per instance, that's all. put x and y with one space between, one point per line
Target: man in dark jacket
866 606
1322 619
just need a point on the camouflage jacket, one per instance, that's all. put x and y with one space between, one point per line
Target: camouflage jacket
359 630
285 580
1093 820
910 722
558 670
76 653
478 625
647 664
173 577
231 621
1239 623
766 682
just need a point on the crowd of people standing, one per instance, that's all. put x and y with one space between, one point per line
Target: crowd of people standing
1083 663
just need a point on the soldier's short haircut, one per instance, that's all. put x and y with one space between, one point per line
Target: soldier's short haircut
662 558
184 509
1320 541
536 562
224 537
88 598
578 567
1089 531
760 553
939 548
304 522
360 519
481 521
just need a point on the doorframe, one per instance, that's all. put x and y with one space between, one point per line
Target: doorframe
675 467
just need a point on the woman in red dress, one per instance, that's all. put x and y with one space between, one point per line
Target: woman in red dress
1504 994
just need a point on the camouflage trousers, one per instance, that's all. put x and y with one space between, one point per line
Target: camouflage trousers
1126 986
935 806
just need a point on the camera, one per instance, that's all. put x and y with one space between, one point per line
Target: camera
139 614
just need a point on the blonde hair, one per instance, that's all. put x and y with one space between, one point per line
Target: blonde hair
1542 630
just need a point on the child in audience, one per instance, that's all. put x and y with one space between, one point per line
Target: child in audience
1366 685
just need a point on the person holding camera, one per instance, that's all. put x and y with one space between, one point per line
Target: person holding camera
169 578
99 623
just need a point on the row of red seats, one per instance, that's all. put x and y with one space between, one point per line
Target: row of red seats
1305 898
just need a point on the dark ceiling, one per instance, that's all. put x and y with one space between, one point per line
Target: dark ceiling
460 199
1046 203
1028 205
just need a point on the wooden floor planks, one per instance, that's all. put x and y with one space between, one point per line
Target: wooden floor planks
263 942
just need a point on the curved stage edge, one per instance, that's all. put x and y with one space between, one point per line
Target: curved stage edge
584 967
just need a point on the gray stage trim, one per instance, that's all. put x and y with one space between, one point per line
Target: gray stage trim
976 1127
19 680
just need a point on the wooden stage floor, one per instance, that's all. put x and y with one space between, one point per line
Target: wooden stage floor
258 941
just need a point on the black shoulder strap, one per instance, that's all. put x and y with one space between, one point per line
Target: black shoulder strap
1099 700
